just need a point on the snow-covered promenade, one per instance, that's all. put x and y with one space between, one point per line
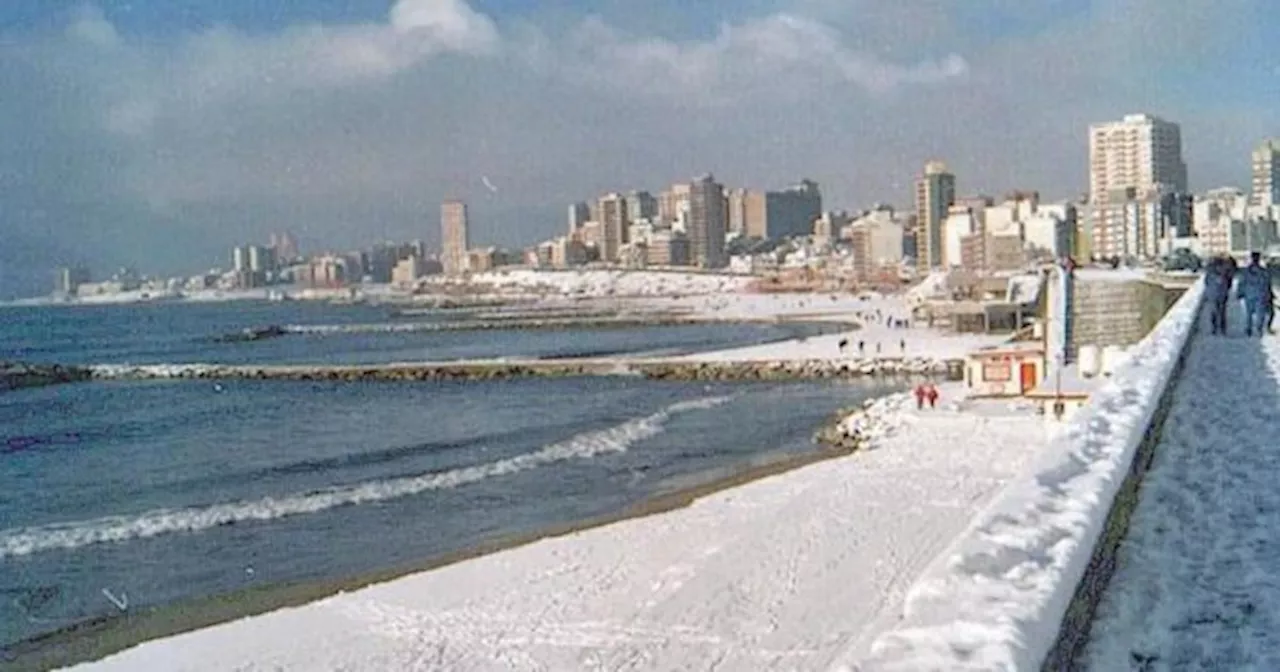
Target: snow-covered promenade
794 571
1196 586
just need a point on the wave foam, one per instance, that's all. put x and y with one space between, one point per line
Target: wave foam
113 529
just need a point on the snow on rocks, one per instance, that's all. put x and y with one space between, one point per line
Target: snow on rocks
602 282
997 598
151 371
862 428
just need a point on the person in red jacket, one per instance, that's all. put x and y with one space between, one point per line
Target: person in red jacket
932 395
920 393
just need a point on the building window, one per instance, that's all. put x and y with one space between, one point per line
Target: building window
995 371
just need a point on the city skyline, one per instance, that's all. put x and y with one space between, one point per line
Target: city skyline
136 126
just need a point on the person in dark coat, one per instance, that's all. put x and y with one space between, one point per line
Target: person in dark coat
1219 275
1254 287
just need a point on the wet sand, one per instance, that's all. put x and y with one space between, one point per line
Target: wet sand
98 638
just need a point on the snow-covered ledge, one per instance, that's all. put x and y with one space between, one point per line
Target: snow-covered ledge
1017 590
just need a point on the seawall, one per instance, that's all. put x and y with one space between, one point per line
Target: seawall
1018 590
780 370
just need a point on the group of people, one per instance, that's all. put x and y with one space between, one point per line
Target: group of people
926 392
1253 288
862 347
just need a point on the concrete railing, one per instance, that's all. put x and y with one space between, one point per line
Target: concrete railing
1018 590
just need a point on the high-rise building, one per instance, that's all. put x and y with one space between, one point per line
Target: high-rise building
261 259
579 214
1133 164
1266 174
240 259
672 202
755 209
641 205
454 239
706 223
935 194
791 212
284 247
737 205
614 225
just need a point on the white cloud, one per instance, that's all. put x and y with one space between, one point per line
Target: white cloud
745 58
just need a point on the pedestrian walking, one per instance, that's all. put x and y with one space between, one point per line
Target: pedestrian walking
932 395
920 393
1254 289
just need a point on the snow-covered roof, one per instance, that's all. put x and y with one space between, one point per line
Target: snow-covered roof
1025 288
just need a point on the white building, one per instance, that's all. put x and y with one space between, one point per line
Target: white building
1003 219
882 229
960 222
1212 215
1266 174
407 271
1048 232
1132 163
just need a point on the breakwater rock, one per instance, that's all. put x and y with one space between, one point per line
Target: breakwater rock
799 369
14 375
252 334
683 370
859 427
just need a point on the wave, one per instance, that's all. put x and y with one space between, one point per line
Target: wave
114 529
373 458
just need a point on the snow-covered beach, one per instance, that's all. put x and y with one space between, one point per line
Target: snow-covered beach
800 568
794 571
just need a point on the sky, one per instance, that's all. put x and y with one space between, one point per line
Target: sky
159 133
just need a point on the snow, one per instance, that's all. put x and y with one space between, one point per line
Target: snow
996 598
933 286
920 341
605 282
1196 586
787 572
1025 288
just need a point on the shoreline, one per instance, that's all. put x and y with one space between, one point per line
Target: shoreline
103 636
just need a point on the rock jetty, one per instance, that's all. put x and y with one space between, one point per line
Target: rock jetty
803 369
14 375
252 334
682 370
857 428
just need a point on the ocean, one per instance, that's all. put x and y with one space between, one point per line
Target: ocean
158 493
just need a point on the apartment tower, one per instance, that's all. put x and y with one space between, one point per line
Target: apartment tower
614 224
454 240
707 222
1266 174
935 194
579 214
1134 164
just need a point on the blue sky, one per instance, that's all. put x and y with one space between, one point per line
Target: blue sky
161 132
